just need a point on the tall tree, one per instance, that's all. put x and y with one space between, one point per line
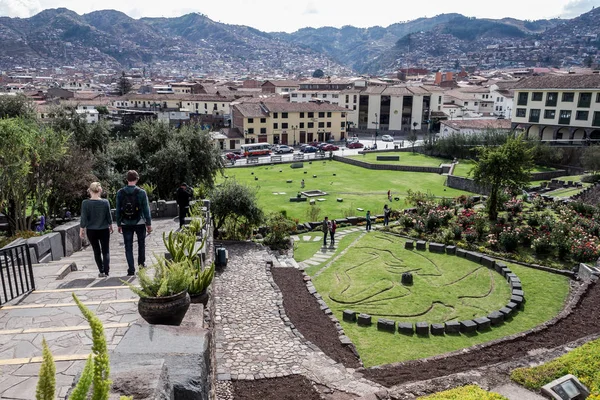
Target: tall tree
318 73
17 106
123 85
505 166
233 205
590 159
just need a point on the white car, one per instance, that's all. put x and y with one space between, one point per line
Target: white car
387 138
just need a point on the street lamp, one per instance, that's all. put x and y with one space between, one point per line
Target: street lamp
294 127
376 130
452 114
509 110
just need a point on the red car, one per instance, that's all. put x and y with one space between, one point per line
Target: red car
355 145
330 147
233 156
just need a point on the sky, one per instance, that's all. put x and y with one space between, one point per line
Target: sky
289 16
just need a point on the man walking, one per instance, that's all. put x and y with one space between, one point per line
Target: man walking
368 221
133 216
386 215
325 228
183 195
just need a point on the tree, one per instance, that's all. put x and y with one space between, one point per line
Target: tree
123 85
234 206
544 154
17 106
590 159
318 73
505 166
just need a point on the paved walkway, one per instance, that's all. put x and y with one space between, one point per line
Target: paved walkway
50 312
255 340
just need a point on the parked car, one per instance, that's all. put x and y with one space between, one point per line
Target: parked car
355 145
309 149
330 147
352 139
233 156
282 148
387 138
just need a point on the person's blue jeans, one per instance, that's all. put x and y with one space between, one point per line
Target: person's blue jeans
140 232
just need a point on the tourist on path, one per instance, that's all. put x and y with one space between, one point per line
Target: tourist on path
97 221
386 215
325 227
332 228
368 221
183 195
302 184
389 195
133 217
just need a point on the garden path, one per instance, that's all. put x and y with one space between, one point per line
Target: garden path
49 312
255 339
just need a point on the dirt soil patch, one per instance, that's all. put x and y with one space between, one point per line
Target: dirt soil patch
582 322
305 313
294 387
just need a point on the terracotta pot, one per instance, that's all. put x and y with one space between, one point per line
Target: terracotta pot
201 297
168 310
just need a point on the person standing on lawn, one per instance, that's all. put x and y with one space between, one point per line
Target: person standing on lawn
333 227
386 215
133 217
325 227
368 221
96 221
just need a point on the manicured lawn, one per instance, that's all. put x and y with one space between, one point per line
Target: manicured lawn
358 187
564 192
464 167
303 250
366 279
406 158
574 178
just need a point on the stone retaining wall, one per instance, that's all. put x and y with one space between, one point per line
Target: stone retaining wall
466 184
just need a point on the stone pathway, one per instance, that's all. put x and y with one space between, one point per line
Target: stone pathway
254 338
49 312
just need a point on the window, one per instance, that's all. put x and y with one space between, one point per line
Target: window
549 114
582 115
304 95
584 100
551 99
568 97
537 96
206 106
263 120
294 94
347 98
263 131
354 99
301 115
284 125
466 103
321 124
250 120
284 115
310 125
335 96
522 99
301 125
564 118
534 115
311 115
321 115
475 103
596 120
343 124
521 112
251 131
275 115
275 125
329 114
324 95
597 97
329 124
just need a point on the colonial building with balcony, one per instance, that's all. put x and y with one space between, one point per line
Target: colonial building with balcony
558 108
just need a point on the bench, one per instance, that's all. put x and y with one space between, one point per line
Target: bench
388 158
252 160
275 158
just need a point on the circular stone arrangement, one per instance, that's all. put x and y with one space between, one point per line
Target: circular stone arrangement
466 326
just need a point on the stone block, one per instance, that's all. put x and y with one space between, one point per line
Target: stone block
451 250
499 266
312 202
409 245
517 292
473 256
488 262
289 181
349 316
45 259
386 325
483 323
507 312
69 233
339 200
516 284
41 245
364 320
518 300
496 318
142 379
510 275
505 271
171 210
461 252
421 245
452 327
422 328
297 165
512 306
437 329
468 326
437 248
56 246
405 328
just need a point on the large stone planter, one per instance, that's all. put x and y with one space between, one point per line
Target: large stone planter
168 310
200 297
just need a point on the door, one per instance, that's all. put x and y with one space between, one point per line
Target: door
310 137
284 138
232 145
302 136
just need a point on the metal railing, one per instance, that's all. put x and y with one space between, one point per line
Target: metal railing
16 272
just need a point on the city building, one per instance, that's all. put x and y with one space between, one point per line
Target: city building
473 126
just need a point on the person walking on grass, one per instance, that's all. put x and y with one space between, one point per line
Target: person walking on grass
368 221
386 215
96 221
133 217
333 227
325 227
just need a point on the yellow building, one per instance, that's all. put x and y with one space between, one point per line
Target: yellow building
194 103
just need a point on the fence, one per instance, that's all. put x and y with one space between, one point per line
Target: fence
16 272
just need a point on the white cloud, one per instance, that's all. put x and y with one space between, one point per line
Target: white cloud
19 8
311 8
575 8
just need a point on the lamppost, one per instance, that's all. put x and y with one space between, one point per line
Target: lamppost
294 127
376 130
509 110
452 114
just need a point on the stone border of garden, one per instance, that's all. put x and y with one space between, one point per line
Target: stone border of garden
423 329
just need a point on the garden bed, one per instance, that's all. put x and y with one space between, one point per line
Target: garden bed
294 387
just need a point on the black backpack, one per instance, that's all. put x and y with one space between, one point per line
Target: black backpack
130 206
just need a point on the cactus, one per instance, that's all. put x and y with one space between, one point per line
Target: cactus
200 279
46 386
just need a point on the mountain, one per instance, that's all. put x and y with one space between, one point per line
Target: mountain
194 43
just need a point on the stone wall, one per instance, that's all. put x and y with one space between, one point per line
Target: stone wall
388 167
466 184
546 176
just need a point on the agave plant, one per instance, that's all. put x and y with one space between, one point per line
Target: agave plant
200 279
169 278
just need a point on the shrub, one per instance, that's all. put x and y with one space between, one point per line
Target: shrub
469 392
542 244
457 230
583 208
514 206
538 202
525 235
446 203
509 239
592 178
313 213
470 235
280 228
533 220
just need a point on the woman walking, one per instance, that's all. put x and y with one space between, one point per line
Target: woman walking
97 221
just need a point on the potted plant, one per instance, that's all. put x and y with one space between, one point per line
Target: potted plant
199 281
164 298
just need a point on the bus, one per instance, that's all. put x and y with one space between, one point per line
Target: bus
256 149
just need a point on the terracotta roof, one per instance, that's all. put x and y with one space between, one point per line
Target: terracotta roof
479 124
588 81
171 96
86 95
251 110
283 83
232 133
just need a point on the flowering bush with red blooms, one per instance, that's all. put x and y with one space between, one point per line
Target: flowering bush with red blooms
509 239
466 218
525 235
492 241
542 244
584 247
437 217
514 206
470 235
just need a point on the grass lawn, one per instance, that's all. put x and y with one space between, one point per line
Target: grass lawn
469 392
358 187
564 192
406 158
303 250
574 178
464 167
366 279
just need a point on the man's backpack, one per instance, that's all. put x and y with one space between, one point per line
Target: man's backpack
130 205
